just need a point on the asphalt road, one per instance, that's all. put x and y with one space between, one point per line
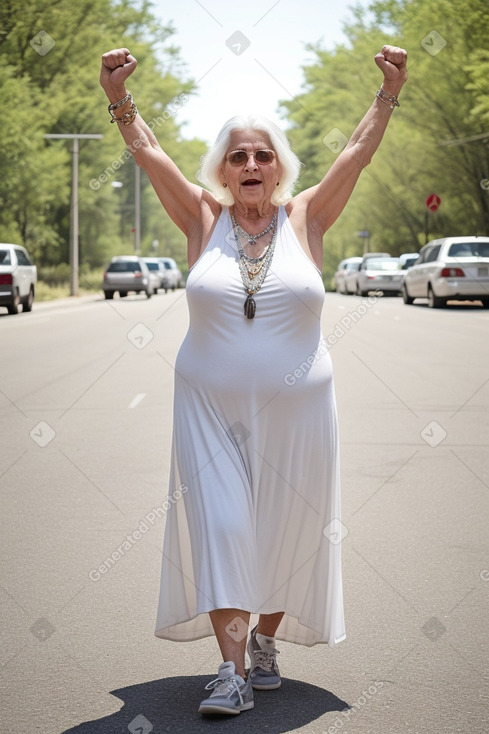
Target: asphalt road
85 414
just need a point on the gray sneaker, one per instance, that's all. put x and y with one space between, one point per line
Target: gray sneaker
231 693
264 673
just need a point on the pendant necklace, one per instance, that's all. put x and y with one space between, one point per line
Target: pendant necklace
253 270
253 237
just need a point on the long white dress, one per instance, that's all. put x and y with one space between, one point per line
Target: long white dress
254 519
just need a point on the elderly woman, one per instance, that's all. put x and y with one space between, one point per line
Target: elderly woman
256 527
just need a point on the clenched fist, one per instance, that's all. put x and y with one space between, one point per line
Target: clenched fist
392 61
117 66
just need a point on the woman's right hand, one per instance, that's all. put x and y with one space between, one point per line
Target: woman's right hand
117 66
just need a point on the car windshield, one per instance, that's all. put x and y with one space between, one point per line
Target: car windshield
167 265
353 266
5 258
123 267
152 266
469 249
384 264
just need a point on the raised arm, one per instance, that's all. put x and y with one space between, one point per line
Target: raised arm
192 208
325 202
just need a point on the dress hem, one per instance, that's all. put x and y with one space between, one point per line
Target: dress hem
163 634
159 635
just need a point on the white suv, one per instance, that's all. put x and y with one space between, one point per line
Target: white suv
18 277
450 269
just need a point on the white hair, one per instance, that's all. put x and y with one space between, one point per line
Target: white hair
211 162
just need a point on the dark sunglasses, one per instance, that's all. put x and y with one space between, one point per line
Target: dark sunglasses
240 157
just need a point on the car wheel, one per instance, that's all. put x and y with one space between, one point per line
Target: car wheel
27 305
109 295
360 292
405 296
148 294
434 301
13 308
485 302
122 294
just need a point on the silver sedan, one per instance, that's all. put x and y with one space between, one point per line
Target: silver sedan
378 275
129 273
452 268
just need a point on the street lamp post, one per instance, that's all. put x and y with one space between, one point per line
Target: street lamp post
365 235
74 257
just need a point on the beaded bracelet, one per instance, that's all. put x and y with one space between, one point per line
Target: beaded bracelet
388 99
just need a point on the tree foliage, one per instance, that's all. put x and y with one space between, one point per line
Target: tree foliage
436 142
50 56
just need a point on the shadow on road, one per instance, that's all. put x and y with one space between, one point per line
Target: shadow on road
171 704
451 306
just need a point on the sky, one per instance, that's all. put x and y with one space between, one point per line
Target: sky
247 56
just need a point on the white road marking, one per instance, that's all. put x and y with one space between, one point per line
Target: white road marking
135 401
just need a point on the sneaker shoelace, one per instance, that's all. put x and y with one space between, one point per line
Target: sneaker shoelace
225 686
266 660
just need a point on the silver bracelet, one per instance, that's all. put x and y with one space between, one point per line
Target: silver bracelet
122 101
388 99
127 118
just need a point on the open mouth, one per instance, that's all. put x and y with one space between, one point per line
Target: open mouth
251 182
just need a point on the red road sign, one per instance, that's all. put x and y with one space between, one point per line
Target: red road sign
433 202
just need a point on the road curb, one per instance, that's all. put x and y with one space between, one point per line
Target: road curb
70 301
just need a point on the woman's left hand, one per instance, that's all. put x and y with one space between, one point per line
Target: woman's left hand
392 61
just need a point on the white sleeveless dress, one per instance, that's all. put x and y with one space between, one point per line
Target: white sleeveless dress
254 513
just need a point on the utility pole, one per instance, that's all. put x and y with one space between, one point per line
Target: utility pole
137 209
74 257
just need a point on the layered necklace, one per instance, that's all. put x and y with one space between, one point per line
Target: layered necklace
253 270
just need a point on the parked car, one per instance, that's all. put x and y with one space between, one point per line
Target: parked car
349 263
451 268
407 260
378 275
351 278
376 255
175 275
156 266
129 273
18 277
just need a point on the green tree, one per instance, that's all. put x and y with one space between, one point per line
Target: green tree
434 142
30 180
50 55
